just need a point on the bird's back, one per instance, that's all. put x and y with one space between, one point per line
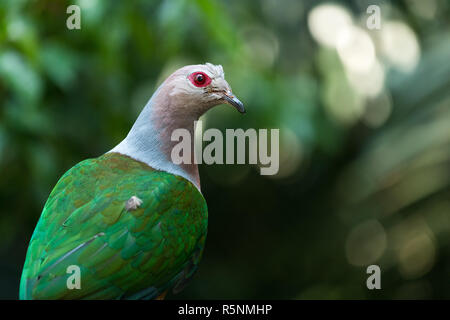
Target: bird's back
132 231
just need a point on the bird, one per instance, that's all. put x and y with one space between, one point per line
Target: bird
132 221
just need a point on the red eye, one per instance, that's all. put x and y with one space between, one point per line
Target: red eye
199 79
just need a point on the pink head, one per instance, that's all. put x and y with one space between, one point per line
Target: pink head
194 89
180 100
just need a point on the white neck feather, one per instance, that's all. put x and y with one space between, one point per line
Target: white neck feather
143 143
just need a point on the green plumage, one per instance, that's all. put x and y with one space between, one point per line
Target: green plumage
127 254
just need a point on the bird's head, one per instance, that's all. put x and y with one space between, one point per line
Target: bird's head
178 102
194 89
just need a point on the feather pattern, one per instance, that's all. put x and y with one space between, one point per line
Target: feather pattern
122 254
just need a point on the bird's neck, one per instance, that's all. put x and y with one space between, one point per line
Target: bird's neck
149 140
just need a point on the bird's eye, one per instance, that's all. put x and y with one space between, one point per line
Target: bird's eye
200 79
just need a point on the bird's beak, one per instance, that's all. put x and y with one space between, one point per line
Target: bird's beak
231 99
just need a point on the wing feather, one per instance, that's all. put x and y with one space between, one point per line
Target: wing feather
121 253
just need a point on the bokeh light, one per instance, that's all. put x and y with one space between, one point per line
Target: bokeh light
399 45
327 21
366 243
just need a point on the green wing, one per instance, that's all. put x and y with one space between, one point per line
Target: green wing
121 253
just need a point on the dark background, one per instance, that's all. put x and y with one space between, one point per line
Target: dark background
364 118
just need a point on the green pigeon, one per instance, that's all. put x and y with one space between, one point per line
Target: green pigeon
130 224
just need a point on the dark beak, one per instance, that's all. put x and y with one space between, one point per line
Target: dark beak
235 102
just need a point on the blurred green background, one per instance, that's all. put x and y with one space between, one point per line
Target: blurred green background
364 118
